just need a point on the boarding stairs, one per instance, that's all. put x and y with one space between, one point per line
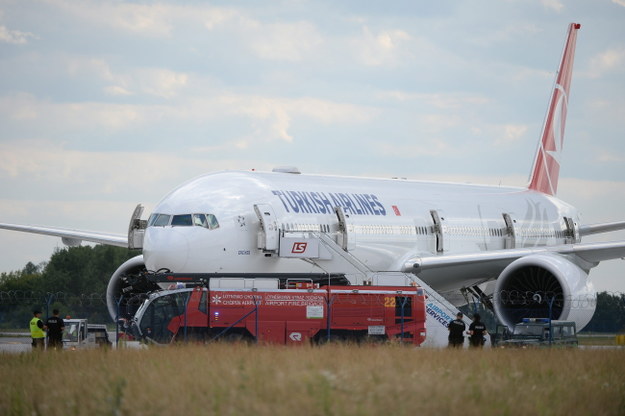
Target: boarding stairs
439 310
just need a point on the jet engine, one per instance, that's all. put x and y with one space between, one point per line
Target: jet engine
544 286
126 284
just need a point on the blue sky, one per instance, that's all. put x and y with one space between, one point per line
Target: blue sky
105 104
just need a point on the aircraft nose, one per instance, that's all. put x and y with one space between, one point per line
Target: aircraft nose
165 247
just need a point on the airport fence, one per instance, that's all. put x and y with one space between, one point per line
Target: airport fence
17 306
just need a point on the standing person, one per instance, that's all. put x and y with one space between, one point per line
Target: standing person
55 325
477 331
37 329
456 332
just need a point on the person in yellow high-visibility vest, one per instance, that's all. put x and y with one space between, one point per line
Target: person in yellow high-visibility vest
37 330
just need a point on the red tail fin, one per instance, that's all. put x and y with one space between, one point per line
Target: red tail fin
544 177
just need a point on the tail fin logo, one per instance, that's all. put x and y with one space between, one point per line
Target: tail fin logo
544 176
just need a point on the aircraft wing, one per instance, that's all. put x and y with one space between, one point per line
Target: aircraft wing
71 237
601 228
488 264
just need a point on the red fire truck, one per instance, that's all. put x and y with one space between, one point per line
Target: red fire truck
301 312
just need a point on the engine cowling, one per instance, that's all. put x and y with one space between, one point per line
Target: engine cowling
544 286
119 286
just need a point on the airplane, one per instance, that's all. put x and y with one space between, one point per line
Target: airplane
523 245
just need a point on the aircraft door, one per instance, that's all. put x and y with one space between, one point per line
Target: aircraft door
268 233
510 238
572 231
345 238
437 228
136 229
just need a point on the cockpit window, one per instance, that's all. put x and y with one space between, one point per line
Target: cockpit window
200 220
208 221
161 220
181 221
212 221
205 220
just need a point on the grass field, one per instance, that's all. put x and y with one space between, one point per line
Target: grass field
597 339
330 380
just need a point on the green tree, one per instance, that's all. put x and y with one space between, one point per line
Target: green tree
609 315
74 281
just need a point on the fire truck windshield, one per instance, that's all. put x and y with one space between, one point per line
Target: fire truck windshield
154 317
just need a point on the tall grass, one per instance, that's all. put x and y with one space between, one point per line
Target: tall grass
330 380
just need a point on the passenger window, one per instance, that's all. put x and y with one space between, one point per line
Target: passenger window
212 221
162 220
181 221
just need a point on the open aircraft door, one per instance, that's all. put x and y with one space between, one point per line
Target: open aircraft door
438 228
268 234
510 233
345 238
136 229
572 231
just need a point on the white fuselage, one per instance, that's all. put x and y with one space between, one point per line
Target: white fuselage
387 221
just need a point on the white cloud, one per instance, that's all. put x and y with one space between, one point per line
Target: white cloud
585 194
116 90
104 173
555 5
15 37
270 118
148 20
282 41
328 112
441 101
609 110
20 107
430 147
619 2
610 157
89 66
159 82
68 116
510 133
285 41
611 60
215 17
503 34
384 48
271 121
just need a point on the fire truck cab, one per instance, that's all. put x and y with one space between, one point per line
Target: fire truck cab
300 312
